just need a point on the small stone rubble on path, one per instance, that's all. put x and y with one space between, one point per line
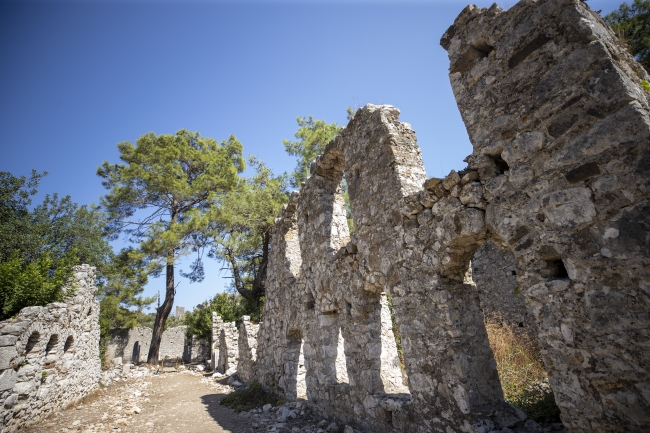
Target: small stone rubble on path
297 417
127 406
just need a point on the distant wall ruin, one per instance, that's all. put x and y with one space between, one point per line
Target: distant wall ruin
558 179
132 345
49 356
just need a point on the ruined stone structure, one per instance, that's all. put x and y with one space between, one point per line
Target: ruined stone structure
495 274
132 345
247 346
558 179
225 349
49 356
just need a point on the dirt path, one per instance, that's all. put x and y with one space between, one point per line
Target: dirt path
171 402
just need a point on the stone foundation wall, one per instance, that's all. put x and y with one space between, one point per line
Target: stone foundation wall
557 180
49 356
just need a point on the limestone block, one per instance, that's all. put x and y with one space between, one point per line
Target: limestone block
7 354
7 379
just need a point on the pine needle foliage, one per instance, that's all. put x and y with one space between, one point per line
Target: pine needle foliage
160 197
631 23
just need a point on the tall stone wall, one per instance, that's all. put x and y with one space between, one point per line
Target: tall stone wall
49 356
558 180
561 135
502 301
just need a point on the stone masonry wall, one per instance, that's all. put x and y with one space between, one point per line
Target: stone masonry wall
225 346
557 179
502 301
132 345
49 356
561 139
247 345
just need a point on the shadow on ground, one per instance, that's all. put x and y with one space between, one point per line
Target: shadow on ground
216 411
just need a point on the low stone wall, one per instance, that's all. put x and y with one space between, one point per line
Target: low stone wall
132 345
49 356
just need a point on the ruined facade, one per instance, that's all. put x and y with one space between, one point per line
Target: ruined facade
225 349
501 299
558 179
49 356
132 345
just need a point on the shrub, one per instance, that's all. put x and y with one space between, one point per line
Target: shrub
249 397
521 372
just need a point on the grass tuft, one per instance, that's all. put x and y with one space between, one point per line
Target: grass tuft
522 374
249 397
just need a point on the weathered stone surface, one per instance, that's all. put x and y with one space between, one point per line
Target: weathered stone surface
557 181
133 345
54 358
225 348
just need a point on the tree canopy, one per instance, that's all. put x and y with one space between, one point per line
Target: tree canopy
313 135
160 197
231 307
632 24
39 247
241 225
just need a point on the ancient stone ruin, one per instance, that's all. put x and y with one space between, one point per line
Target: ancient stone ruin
557 184
547 227
132 345
49 356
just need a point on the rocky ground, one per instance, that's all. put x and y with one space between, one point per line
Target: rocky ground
183 400
186 400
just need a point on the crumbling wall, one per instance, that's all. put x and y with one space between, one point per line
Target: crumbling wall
558 180
247 346
196 350
502 301
225 349
49 356
132 345
560 136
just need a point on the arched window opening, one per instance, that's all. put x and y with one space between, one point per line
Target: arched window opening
68 344
340 363
32 341
393 368
511 331
52 345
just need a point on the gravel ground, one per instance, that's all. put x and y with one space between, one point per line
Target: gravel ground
183 402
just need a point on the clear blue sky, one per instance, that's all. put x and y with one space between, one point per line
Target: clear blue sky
77 77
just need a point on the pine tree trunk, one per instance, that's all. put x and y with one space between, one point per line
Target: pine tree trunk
162 313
